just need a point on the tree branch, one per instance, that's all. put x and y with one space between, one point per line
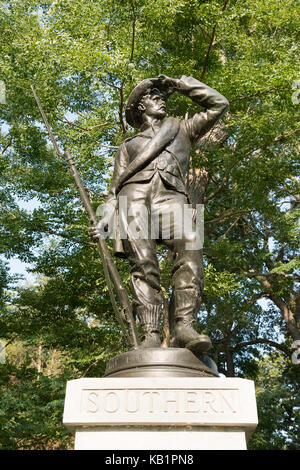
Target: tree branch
257 93
109 84
211 42
52 232
84 130
91 365
121 104
9 212
276 139
6 147
97 126
214 193
81 114
99 359
226 216
203 31
247 154
281 347
256 297
283 306
208 51
294 277
8 343
134 19
231 226
63 235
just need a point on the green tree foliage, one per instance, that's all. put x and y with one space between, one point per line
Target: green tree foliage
83 58
278 404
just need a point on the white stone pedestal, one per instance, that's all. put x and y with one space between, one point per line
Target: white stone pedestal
160 413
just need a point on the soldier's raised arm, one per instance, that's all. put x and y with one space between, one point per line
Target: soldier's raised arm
214 104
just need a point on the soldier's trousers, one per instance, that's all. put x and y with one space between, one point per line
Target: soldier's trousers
158 202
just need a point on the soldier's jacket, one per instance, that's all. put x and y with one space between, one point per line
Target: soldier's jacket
172 162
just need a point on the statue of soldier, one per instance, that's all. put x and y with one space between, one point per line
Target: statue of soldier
150 170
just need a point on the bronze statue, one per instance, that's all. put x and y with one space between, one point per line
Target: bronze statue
150 170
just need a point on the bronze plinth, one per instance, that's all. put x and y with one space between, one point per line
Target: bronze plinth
160 362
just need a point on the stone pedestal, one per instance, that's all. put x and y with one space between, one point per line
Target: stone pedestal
156 413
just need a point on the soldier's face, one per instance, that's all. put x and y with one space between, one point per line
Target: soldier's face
153 105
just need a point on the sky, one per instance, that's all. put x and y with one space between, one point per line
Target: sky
15 265
19 267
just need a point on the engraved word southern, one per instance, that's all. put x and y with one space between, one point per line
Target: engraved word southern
175 404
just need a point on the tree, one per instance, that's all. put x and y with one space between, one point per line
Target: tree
278 404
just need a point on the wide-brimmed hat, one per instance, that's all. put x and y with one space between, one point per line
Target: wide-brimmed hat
132 113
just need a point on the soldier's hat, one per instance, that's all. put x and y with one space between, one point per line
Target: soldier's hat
132 113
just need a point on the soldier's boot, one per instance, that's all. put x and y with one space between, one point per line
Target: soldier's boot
149 317
184 334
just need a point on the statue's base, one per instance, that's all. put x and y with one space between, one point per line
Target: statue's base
161 413
160 362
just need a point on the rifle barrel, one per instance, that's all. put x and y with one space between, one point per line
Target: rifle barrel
110 270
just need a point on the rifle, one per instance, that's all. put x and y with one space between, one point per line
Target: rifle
125 316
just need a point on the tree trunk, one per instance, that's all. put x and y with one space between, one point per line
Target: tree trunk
166 326
39 364
229 362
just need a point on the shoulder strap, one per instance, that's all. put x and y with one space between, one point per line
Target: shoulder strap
154 147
